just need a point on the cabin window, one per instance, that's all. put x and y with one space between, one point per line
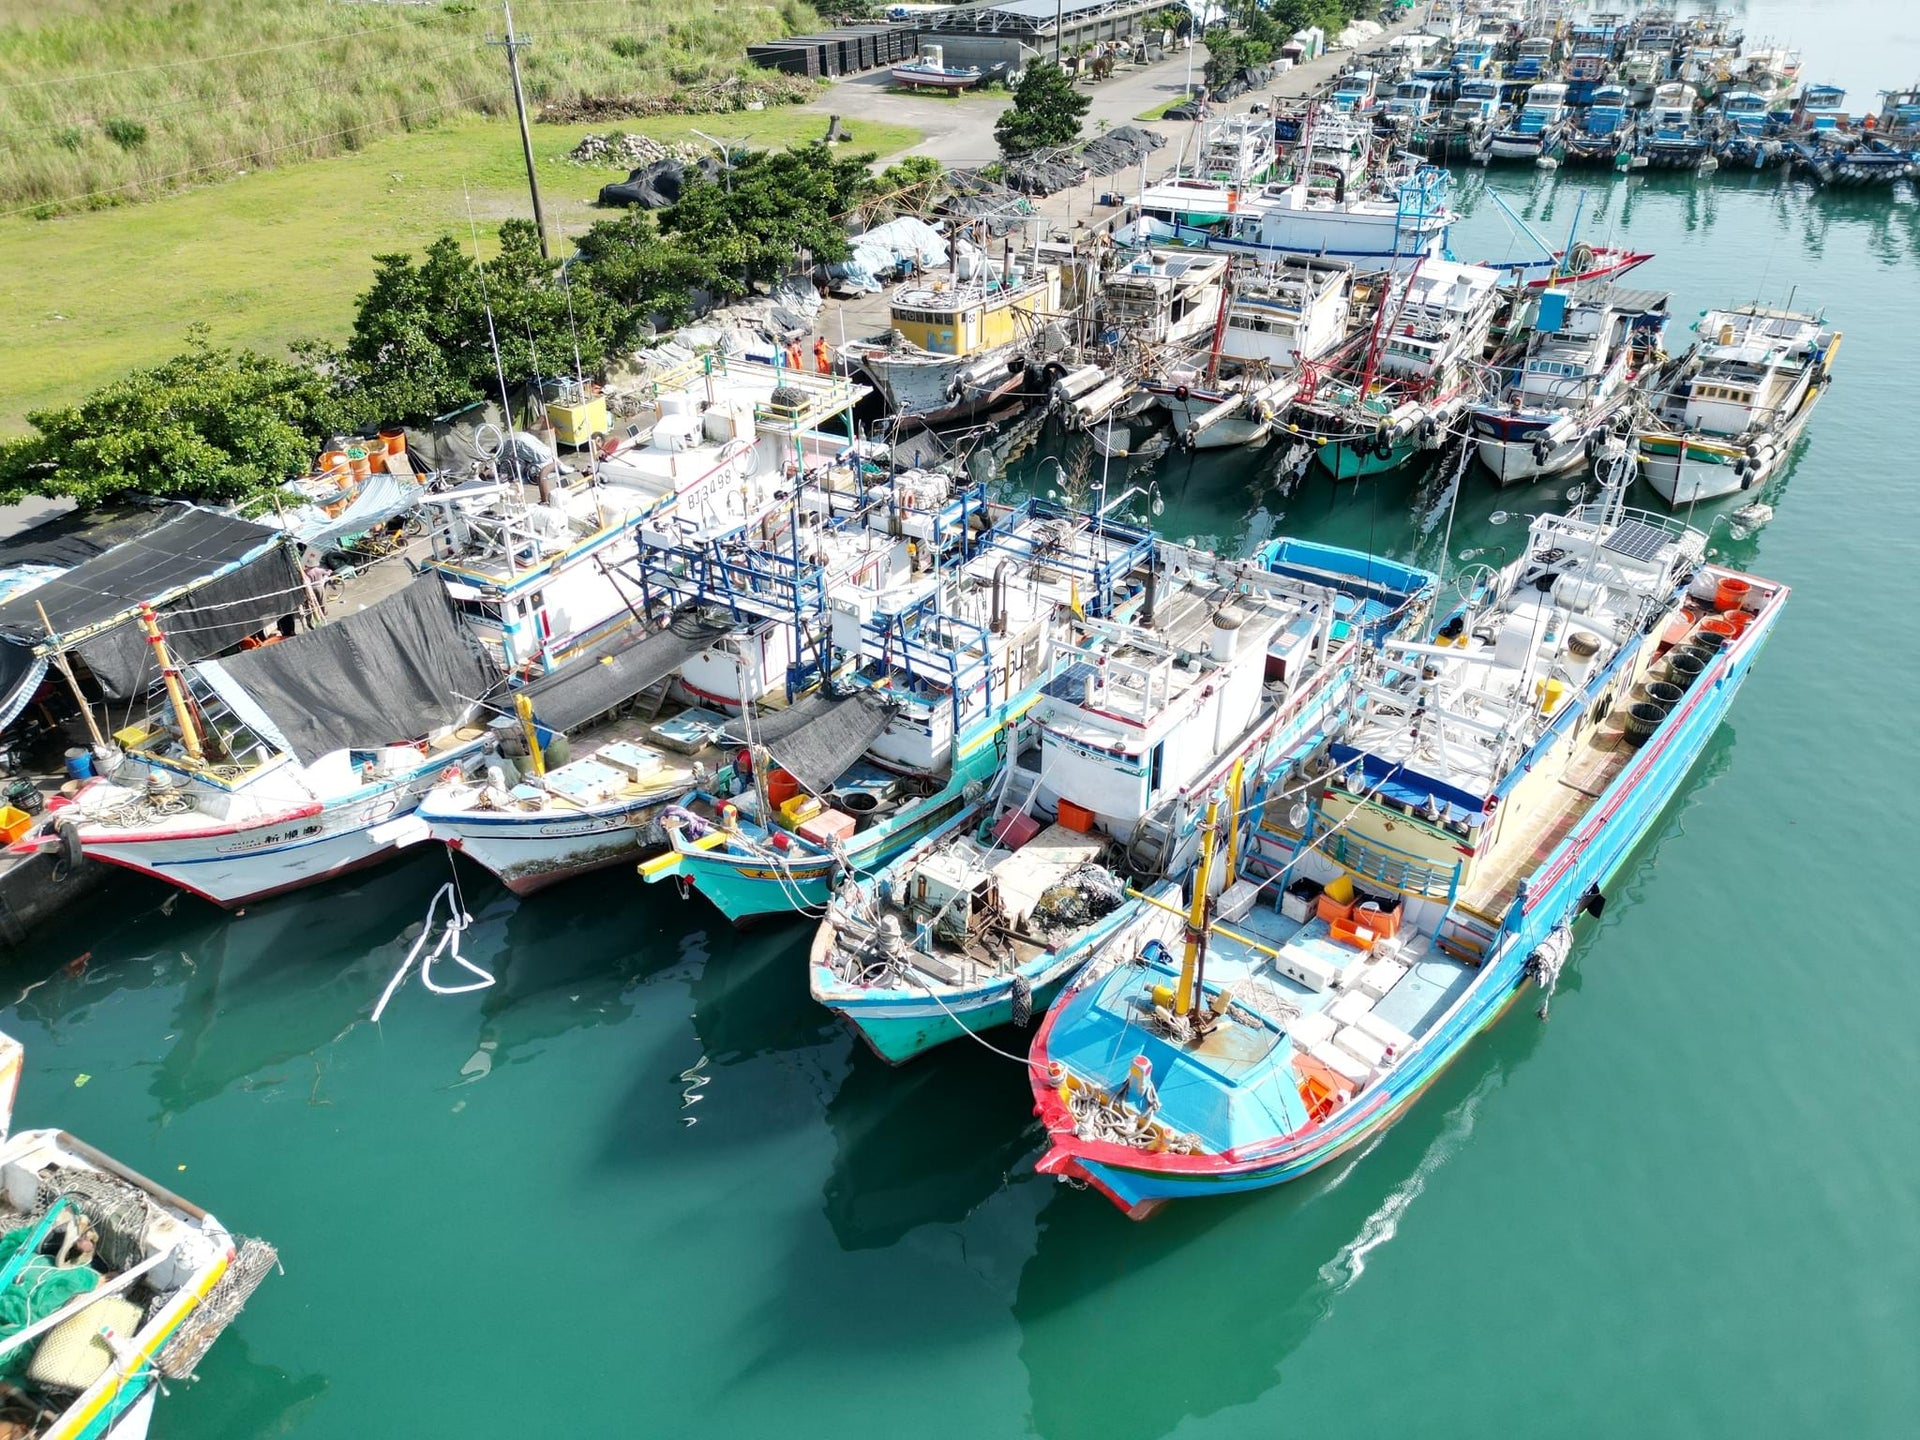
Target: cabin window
1155 762
485 612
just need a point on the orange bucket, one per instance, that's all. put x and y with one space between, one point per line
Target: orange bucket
1720 626
357 463
331 460
1732 595
395 439
1738 619
781 787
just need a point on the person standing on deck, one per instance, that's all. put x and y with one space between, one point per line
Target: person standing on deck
822 356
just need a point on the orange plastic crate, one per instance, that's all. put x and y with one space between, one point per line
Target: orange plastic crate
1076 817
1331 910
1348 932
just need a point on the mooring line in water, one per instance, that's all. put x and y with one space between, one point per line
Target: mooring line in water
449 945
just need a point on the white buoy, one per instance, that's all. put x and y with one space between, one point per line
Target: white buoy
1547 162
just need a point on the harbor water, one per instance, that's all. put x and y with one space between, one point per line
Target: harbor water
643 1185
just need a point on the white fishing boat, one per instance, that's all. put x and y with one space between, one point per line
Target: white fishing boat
713 444
111 1285
1728 419
1277 315
1407 219
290 764
644 715
1538 131
1399 386
956 347
1577 375
1214 670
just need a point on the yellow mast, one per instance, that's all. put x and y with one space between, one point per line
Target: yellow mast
1234 782
524 707
1196 937
182 716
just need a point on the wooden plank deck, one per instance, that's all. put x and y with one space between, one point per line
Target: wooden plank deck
1524 849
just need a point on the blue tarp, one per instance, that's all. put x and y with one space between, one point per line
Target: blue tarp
1410 787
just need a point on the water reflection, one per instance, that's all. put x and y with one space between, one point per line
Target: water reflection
1196 1311
237 1394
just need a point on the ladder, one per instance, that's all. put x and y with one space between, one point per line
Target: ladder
231 737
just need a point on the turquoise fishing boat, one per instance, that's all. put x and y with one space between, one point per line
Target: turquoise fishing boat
1486 789
1223 673
846 780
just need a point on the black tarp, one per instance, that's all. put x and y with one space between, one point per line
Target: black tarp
617 669
187 549
77 536
819 738
392 672
239 577
206 620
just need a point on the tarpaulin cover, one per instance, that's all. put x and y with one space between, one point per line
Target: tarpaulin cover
238 575
382 497
206 620
617 669
818 739
394 671
77 536
191 546
1410 787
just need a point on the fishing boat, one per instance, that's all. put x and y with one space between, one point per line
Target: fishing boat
1394 221
294 763
1275 316
1746 130
1398 387
1899 115
1412 104
1539 130
1640 72
955 348
1819 107
1471 119
1215 673
1851 161
1604 134
710 443
930 71
1576 376
893 750
1417 872
1730 416
1671 137
732 620
113 1285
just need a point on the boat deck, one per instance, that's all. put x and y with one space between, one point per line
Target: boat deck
1590 769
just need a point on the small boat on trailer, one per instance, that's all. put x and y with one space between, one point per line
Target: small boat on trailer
931 72
1434 857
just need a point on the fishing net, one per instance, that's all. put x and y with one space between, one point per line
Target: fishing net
186 1346
37 1284
1082 896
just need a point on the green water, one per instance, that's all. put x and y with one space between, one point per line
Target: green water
1684 1207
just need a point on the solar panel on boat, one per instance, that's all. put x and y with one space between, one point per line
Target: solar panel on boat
1637 540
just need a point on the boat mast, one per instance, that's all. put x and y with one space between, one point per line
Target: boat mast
176 693
66 669
1187 996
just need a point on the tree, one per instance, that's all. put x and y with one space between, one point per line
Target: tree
422 341
773 206
1046 112
209 425
643 276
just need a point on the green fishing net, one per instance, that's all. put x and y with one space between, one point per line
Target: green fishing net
38 1287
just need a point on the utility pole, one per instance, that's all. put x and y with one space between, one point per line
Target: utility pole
513 45
1057 5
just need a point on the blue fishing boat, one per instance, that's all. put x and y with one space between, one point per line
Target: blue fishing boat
1539 130
1419 869
893 748
1604 135
1223 672
1746 125
1671 137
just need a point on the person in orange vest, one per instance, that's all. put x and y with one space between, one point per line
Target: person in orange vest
822 356
793 354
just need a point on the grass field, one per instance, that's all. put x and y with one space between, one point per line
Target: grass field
279 255
105 100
